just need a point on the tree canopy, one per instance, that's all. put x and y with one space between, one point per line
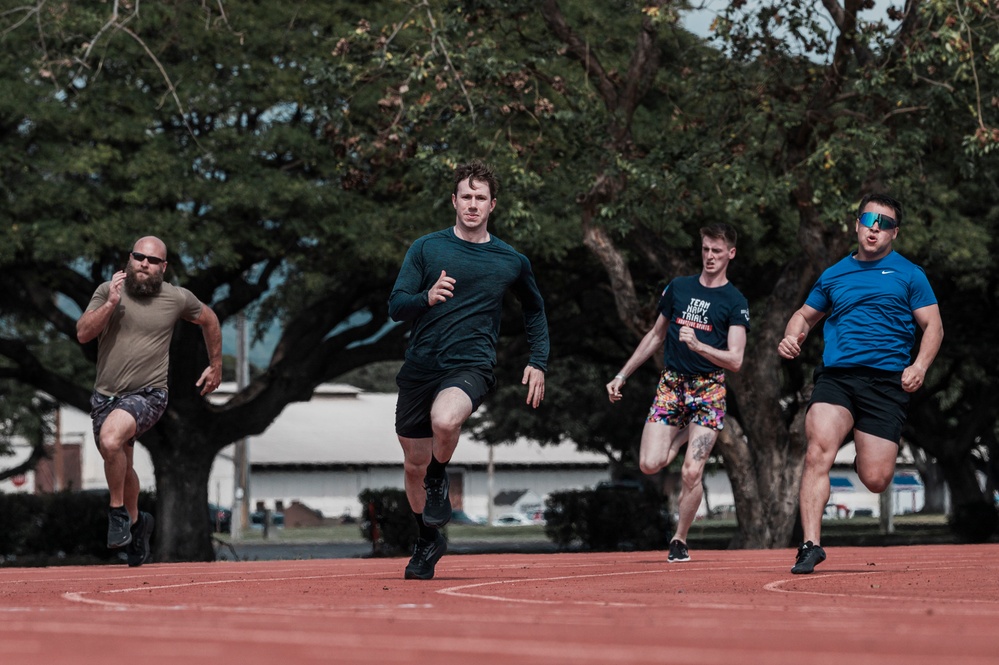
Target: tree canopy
288 154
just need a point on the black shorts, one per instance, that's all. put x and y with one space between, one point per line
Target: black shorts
875 398
418 389
146 406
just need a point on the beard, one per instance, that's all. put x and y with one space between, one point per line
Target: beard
147 288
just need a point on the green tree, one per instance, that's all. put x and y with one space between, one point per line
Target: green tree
25 416
780 128
209 131
955 421
289 154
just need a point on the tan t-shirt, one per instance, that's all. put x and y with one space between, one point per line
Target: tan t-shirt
133 351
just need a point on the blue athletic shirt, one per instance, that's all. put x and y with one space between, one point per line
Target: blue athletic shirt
869 306
709 311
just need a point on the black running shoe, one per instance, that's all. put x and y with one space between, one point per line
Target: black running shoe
138 550
119 527
809 556
426 554
678 552
437 511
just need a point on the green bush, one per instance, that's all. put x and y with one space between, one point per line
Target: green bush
387 521
48 528
18 513
974 522
613 516
566 517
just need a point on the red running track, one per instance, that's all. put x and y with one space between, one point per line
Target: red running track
919 605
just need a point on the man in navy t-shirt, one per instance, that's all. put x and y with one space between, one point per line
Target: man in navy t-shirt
701 328
872 300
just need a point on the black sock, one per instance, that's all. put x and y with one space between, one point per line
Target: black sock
436 469
426 532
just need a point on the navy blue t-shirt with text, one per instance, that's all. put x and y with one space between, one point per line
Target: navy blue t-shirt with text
709 311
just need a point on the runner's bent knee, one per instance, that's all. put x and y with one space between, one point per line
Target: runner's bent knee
117 431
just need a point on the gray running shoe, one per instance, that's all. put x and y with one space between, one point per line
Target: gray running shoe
809 556
138 550
426 554
678 552
437 511
119 527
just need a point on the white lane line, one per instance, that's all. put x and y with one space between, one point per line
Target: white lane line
460 591
84 596
935 601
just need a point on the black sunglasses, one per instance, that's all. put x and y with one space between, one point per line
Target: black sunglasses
153 260
884 222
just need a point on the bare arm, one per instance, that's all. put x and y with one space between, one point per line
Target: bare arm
797 329
92 322
928 318
652 342
729 358
212 331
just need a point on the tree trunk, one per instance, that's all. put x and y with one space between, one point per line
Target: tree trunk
934 484
182 496
959 473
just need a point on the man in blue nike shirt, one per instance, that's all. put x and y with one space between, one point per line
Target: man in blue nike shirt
873 301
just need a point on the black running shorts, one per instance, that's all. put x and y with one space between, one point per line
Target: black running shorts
418 389
875 398
146 406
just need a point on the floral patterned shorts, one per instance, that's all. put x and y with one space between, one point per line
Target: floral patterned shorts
682 399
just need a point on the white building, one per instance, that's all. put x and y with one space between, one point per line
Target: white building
324 452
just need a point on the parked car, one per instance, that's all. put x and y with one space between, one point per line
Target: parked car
220 518
726 511
461 517
835 511
257 518
512 519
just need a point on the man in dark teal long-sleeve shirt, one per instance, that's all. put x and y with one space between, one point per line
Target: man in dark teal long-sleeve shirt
451 287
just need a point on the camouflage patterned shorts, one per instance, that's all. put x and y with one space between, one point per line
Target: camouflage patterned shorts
682 399
146 406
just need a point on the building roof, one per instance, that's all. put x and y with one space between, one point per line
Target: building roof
343 425
508 497
840 484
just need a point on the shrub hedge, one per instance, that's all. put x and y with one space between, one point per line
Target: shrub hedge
46 529
612 516
387 521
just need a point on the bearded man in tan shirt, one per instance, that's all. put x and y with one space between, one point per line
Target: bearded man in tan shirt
133 317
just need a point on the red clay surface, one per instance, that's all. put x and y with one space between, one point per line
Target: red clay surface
915 605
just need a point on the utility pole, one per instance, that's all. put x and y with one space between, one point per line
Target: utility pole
490 485
241 458
887 508
57 456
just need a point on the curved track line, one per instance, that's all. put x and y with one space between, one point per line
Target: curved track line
776 585
81 596
458 591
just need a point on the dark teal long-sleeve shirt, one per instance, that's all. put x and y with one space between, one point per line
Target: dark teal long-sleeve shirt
462 331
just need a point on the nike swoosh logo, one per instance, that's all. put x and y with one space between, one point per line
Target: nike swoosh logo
887 272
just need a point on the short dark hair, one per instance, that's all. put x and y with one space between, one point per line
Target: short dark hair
720 231
476 171
883 199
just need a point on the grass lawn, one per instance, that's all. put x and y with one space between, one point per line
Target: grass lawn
705 534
